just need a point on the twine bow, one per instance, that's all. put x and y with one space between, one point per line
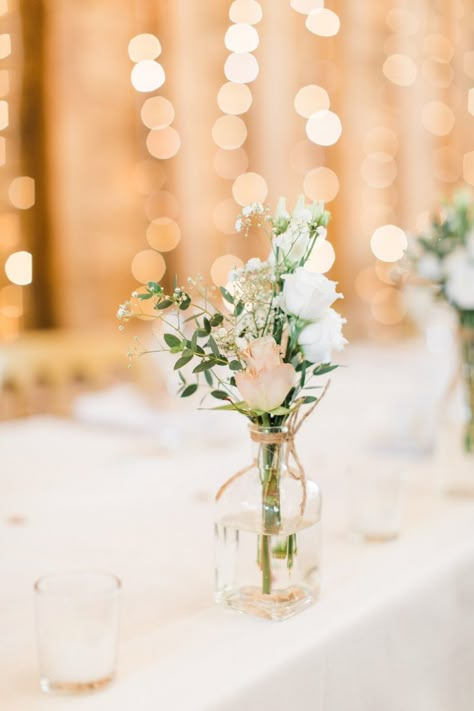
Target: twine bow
292 461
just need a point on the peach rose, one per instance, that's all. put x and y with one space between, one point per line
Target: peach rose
266 381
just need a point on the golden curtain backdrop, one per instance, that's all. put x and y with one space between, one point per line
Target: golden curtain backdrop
134 177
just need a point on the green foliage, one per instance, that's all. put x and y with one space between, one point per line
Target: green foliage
171 340
189 390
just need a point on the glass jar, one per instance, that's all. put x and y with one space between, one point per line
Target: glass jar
456 441
268 532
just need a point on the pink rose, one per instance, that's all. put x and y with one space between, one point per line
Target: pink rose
266 381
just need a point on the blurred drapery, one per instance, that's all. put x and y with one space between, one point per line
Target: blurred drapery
129 185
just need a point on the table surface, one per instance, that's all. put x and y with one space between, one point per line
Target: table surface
77 496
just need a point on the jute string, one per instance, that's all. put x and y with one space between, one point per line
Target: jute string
292 461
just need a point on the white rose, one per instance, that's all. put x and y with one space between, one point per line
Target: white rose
460 285
319 339
429 267
307 294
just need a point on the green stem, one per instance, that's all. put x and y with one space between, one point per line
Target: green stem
467 322
269 461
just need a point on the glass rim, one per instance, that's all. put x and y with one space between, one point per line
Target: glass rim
271 429
103 574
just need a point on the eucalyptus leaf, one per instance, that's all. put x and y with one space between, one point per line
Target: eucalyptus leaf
220 394
213 346
226 295
171 340
204 365
184 360
324 368
216 320
189 390
166 303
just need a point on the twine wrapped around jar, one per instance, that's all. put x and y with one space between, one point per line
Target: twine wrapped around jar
286 436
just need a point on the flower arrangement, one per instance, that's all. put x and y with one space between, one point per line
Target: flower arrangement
274 328
443 256
256 347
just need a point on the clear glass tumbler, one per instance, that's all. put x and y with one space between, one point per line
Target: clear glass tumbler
374 500
77 617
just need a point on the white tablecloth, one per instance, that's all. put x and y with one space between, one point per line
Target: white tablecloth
393 631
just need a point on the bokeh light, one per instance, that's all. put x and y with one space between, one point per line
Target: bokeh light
164 143
246 11
324 128
225 215
241 38
249 187
322 257
5 46
163 234
157 112
310 99
323 22
3 115
234 98
306 6
388 243
147 76
379 170
229 132
19 268
400 69
241 68
222 266
21 192
230 164
438 118
148 265
142 47
321 184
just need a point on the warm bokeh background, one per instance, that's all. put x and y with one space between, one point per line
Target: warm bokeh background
132 131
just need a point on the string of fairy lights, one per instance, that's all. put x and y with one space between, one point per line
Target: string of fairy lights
415 52
323 126
429 53
162 143
20 189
